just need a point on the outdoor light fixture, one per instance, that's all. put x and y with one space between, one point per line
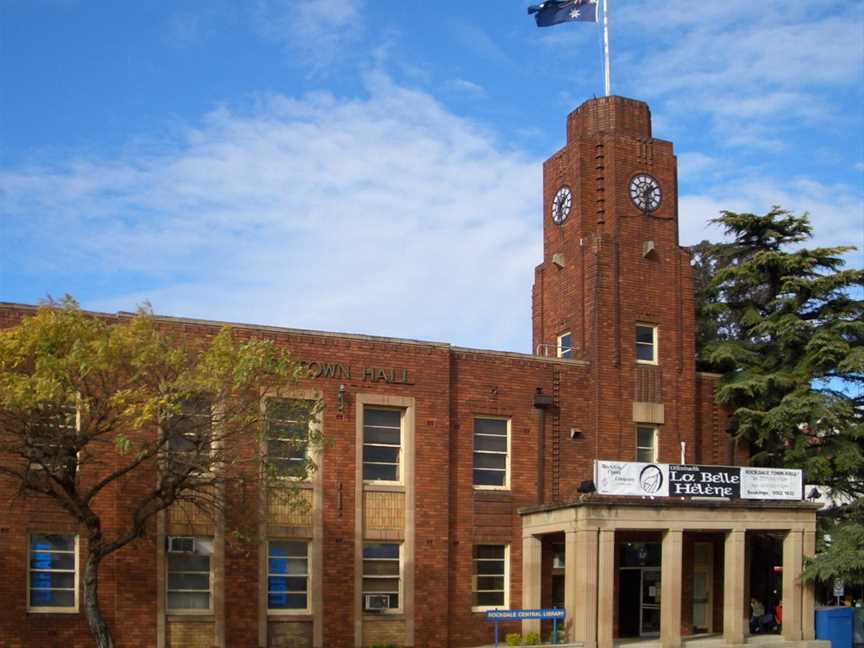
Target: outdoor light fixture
340 398
586 486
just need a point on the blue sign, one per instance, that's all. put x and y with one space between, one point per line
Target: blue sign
522 615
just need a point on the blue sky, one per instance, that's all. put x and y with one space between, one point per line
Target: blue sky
374 166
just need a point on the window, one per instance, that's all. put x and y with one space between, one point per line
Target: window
51 439
190 434
288 422
53 573
565 345
646 443
382 576
646 344
287 576
491 459
489 583
382 444
189 577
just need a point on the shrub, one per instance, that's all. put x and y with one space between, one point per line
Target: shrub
513 639
532 639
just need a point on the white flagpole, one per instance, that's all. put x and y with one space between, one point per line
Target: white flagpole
608 74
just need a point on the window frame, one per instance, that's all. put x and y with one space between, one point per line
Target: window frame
560 350
209 469
211 580
45 609
265 444
400 544
76 425
655 343
506 485
289 611
655 440
400 458
506 604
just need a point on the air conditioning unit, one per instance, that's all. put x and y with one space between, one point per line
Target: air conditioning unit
376 602
181 544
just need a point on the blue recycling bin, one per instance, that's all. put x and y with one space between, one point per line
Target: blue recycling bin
835 624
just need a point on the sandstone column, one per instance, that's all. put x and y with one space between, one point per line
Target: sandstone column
532 555
793 558
580 585
670 588
734 578
808 603
605 588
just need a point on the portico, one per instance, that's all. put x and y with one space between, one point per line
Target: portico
591 525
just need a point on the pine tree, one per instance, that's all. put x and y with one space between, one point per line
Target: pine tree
785 325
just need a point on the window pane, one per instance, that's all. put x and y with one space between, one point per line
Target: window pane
645 334
380 472
189 581
645 437
52 598
39 560
381 454
382 585
188 562
381 435
292 601
286 584
490 443
388 550
382 417
484 460
488 567
188 600
489 599
644 352
645 455
281 548
381 568
490 583
288 566
489 551
52 580
489 477
52 542
490 426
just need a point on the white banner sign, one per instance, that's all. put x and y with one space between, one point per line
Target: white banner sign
771 484
632 478
638 479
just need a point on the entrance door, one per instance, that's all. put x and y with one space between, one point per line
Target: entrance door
629 602
650 624
703 585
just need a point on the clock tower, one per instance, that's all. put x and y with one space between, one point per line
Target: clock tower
615 288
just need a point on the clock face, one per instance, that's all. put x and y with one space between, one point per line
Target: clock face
561 204
645 193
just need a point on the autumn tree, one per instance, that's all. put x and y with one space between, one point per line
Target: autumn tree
91 407
784 323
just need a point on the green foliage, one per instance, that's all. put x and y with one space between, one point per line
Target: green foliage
90 402
532 639
785 325
513 639
841 547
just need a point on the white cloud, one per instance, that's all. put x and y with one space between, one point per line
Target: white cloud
467 87
836 211
386 214
316 33
745 65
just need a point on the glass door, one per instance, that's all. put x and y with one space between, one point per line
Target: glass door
650 617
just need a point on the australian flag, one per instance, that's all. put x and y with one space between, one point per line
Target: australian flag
553 12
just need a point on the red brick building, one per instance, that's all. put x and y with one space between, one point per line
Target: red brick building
415 525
